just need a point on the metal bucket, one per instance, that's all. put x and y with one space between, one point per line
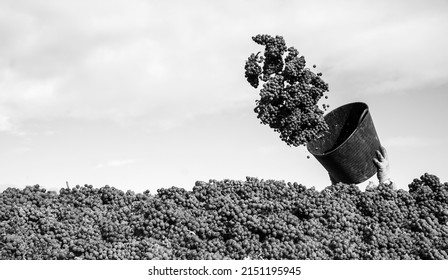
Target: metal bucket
348 148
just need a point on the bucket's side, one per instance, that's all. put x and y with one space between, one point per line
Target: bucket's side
352 162
347 152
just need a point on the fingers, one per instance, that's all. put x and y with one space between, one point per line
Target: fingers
377 163
384 152
379 156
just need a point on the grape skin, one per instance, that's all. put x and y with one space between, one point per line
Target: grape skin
290 92
227 219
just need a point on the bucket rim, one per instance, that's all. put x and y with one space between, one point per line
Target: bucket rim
350 136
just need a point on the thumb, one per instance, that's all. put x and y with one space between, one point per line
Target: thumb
377 163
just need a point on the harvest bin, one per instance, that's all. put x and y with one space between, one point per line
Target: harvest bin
348 148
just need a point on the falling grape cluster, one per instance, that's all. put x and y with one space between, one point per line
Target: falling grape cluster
290 94
228 219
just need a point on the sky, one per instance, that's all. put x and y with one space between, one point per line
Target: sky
142 95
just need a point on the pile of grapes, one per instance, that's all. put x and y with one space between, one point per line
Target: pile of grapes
289 98
227 219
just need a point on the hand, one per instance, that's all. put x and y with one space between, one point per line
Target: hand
382 164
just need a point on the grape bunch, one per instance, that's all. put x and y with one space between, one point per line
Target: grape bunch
290 94
228 219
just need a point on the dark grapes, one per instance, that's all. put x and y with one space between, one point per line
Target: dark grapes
228 219
290 92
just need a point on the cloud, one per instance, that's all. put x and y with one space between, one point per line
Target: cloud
5 124
392 57
166 62
115 162
116 61
407 142
23 149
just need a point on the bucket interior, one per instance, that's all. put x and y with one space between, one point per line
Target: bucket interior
342 123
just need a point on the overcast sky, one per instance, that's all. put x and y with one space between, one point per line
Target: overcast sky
149 94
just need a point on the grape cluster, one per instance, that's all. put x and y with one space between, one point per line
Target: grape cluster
289 98
228 219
